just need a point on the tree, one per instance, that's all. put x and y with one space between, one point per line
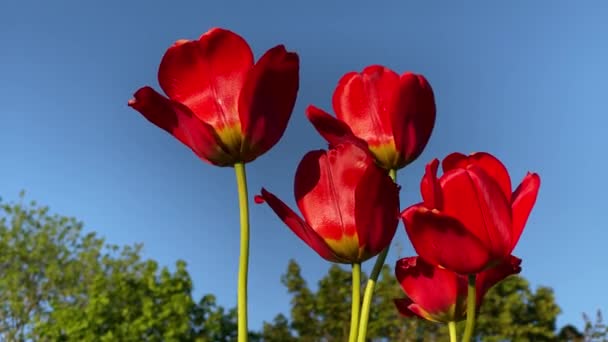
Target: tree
595 331
512 311
59 284
278 331
303 304
570 333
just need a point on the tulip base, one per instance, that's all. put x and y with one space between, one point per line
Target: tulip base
241 181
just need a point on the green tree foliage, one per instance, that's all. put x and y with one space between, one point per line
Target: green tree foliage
595 331
512 311
278 331
570 333
59 284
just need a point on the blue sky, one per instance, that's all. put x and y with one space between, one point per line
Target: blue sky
523 80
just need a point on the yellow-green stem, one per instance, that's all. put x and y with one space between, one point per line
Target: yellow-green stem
452 328
356 302
371 284
471 309
241 181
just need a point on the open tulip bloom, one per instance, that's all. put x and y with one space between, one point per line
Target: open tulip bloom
350 206
227 109
393 114
469 220
219 103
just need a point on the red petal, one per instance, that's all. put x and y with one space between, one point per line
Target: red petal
442 241
376 207
453 161
298 226
365 102
331 129
430 188
413 117
438 292
267 100
523 200
407 308
325 189
486 279
487 162
207 75
403 306
476 200
181 123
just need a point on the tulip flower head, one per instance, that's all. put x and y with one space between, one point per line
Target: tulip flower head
440 295
219 103
350 206
469 219
393 114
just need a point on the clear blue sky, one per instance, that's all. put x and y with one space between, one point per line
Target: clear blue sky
525 80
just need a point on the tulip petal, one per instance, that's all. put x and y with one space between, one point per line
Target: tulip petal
453 161
486 279
413 116
430 188
487 162
376 208
523 200
207 75
325 189
403 306
178 121
443 241
365 102
333 130
407 308
298 226
267 100
439 294
477 202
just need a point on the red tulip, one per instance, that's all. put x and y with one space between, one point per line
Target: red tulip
440 295
219 103
350 206
393 114
469 220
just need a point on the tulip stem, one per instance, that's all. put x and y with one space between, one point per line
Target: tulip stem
241 181
452 329
471 309
371 283
356 302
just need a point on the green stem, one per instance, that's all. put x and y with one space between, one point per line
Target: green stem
471 309
452 328
371 283
241 181
356 302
